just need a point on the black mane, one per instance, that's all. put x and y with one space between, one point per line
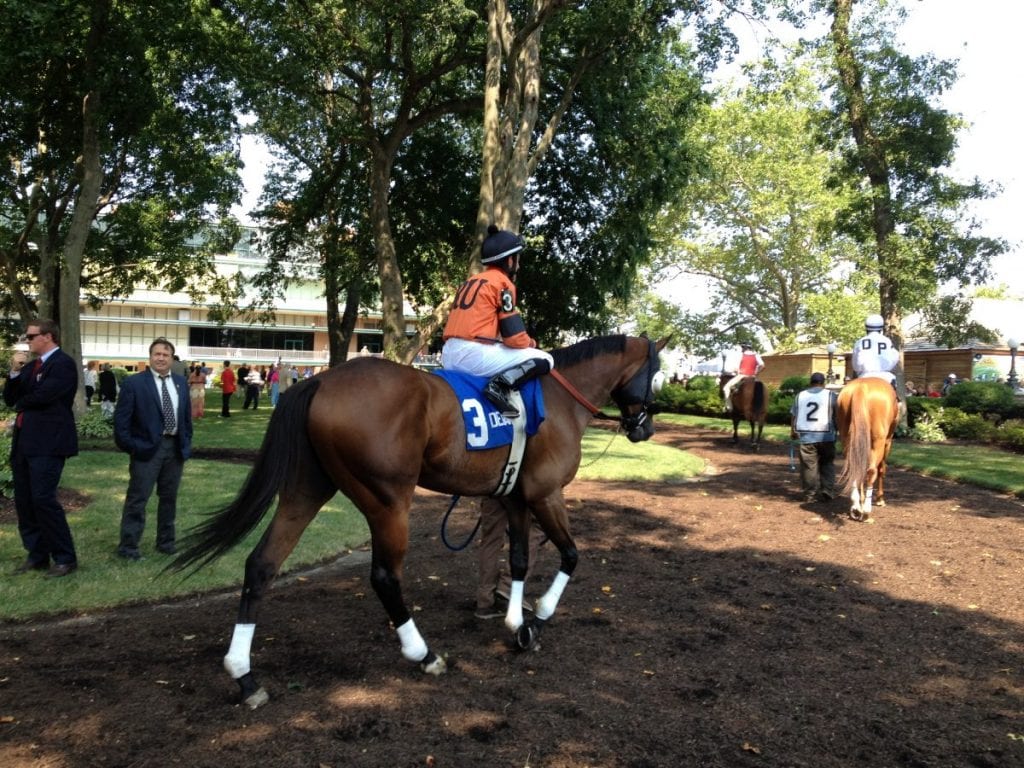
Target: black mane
588 349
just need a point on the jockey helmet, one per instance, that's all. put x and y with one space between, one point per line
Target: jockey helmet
500 244
747 346
873 323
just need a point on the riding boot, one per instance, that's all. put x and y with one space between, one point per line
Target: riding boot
499 388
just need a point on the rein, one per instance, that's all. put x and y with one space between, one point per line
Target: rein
596 412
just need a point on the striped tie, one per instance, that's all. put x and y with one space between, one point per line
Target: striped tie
170 422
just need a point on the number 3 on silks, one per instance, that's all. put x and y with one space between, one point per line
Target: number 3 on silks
477 438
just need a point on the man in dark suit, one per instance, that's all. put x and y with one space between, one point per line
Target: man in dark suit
41 392
153 424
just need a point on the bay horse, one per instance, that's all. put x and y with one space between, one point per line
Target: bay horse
375 430
866 414
749 400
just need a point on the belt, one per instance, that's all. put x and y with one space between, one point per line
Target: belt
168 437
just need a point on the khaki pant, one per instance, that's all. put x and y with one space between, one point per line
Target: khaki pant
493 570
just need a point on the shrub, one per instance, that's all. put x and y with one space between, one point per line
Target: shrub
1010 434
965 426
92 423
927 431
793 384
703 384
981 397
924 408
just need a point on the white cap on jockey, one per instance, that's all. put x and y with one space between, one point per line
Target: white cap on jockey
874 322
952 375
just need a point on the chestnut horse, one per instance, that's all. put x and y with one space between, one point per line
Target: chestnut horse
375 430
866 414
749 400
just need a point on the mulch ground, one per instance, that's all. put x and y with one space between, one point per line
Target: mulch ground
720 622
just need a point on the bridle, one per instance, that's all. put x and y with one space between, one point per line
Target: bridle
639 390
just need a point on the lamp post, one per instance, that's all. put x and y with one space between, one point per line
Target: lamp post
831 351
1012 378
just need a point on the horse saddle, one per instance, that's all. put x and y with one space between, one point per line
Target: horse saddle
486 427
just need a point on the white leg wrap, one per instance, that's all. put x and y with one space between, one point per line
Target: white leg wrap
237 661
413 646
855 498
514 615
545 608
868 497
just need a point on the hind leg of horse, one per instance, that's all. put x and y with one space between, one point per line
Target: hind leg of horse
389 531
735 431
261 567
755 436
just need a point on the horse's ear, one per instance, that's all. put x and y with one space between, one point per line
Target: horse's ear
661 343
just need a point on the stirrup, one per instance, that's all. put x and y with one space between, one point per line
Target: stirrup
499 397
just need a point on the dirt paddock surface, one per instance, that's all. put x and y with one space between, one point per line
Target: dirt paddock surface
720 622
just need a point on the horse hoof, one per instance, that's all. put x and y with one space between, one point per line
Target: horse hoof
258 699
879 502
856 514
433 664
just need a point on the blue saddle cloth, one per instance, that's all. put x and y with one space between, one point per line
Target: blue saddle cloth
485 426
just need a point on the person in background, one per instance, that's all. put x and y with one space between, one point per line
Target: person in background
814 425
874 354
227 388
750 364
274 384
241 376
197 391
950 382
89 380
42 393
108 391
179 367
253 384
153 425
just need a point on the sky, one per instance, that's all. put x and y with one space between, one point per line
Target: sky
984 36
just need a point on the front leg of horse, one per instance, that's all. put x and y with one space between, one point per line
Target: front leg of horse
258 576
414 648
528 634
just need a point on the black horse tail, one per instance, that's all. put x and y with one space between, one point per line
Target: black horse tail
758 397
285 447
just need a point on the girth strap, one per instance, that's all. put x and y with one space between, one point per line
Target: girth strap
510 473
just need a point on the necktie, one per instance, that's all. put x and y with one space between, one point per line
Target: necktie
170 422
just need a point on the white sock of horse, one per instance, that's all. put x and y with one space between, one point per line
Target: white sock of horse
514 614
236 662
549 602
413 646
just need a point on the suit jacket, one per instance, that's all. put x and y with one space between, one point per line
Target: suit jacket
44 401
139 419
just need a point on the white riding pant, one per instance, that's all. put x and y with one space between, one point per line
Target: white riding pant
486 359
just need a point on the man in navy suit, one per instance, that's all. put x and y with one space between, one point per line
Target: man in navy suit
153 424
41 392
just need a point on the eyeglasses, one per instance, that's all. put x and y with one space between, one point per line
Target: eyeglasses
30 336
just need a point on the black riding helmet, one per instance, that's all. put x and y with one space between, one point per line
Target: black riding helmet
499 245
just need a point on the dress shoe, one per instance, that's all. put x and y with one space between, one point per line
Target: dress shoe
132 555
61 569
167 549
30 565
